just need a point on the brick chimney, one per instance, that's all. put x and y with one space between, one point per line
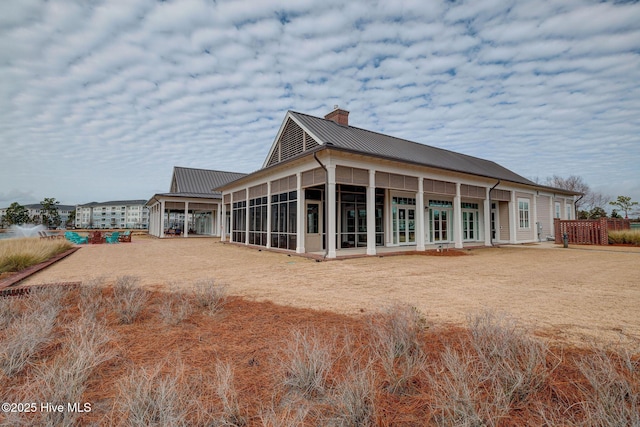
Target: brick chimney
339 116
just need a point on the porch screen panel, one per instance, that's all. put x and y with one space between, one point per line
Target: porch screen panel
258 221
284 220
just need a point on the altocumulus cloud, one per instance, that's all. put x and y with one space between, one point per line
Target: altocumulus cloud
98 100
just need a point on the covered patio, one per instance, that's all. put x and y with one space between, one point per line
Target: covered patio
172 215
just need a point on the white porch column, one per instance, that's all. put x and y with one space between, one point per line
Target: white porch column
246 216
535 217
513 217
388 213
371 213
420 229
300 216
231 217
223 218
457 218
186 220
161 219
487 218
331 211
268 214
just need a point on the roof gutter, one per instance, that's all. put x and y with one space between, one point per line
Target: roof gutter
490 190
326 192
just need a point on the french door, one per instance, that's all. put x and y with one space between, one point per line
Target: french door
440 220
404 225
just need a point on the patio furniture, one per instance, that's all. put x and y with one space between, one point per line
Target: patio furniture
96 237
74 237
113 238
125 237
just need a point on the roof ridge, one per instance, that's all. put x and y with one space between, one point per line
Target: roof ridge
396 137
208 170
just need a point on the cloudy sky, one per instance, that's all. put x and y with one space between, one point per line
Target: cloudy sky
100 99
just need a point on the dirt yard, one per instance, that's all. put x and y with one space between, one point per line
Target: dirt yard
569 295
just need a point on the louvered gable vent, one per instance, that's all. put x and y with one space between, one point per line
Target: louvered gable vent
292 142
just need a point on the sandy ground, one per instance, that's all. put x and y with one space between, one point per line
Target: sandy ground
574 295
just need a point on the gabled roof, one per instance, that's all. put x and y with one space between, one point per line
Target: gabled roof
200 182
362 141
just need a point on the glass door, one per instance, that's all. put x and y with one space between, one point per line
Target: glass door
404 223
440 229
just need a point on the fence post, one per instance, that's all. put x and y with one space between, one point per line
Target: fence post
556 230
604 232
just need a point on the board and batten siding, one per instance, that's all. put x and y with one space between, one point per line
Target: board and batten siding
503 212
543 211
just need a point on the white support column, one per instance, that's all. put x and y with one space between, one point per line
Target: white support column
388 224
487 218
551 216
223 218
331 211
371 213
535 217
231 217
161 219
457 219
186 220
420 229
268 214
246 216
300 215
513 218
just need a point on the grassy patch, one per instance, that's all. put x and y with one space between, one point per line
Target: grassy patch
624 237
18 254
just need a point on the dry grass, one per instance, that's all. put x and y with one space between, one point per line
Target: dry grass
397 345
305 363
18 254
209 295
260 364
129 298
625 237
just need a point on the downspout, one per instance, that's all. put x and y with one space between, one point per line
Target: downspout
326 218
575 207
490 190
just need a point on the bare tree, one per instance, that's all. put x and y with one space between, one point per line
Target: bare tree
589 201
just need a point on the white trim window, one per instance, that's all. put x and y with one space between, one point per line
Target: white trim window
558 210
568 209
523 213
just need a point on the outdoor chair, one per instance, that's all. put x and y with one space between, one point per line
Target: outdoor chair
113 238
96 237
125 237
74 237
43 235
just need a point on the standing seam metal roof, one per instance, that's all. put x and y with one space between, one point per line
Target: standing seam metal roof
201 181
372 143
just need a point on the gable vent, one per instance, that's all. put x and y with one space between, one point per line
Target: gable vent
292 142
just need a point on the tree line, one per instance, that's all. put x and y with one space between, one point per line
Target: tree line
49 215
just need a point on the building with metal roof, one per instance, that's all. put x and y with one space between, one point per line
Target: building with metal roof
333 189
192 206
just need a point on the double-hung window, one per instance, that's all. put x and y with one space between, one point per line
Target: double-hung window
523 213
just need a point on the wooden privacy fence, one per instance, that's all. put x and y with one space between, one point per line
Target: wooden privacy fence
588 231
